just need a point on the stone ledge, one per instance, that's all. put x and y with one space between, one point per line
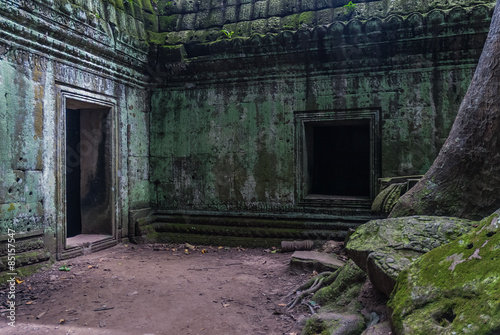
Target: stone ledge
314 260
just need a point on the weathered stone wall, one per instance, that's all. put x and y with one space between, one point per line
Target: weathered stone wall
47 48
222 130
206 120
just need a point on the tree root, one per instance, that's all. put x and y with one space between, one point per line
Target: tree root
310 287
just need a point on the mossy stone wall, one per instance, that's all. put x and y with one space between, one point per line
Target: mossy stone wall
223 135
47 47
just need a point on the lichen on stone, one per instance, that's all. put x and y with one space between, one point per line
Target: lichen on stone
452 289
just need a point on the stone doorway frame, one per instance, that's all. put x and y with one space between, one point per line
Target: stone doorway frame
63 95
304 122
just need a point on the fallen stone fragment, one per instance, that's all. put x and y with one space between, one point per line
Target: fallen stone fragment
313 260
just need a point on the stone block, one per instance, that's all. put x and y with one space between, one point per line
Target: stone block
245 12
230 15
138 194
186 22
201 19
260 10
215 18
138 168
308 5
32 188
151 21
314 260
170 22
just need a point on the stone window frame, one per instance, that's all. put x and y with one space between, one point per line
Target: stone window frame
304 120
63 93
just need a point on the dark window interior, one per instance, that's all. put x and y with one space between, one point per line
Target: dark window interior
339 160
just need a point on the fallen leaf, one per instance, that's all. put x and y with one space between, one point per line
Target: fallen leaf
62 321
225 305
204 251
220 248
281 304
119 263
39 316
190 246
29 302
19 281
89 267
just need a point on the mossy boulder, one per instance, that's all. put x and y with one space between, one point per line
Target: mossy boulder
383 248
453 289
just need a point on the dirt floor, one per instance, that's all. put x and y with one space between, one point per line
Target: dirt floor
159 289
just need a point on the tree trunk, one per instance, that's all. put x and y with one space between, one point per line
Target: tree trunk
464 180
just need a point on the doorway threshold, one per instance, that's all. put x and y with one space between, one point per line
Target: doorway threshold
85 240
85 244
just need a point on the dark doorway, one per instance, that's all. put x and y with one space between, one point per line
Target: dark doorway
339 159
73 174
89 206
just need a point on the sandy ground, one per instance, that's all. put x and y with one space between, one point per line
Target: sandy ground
159 289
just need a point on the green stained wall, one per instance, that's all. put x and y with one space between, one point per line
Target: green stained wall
206 121
222 126
234 144
41 60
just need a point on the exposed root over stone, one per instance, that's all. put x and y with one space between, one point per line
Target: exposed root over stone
313 285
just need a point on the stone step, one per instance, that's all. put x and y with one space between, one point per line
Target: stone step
231 229
314 260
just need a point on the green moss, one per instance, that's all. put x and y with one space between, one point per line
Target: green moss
450 288
307 18
316 326
129 7
147 7
150 22
344 289
119 4
24 271
156 38
291 21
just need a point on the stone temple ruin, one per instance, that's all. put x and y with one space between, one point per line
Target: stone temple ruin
223 122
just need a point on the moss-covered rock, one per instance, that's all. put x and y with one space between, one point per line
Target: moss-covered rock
383 248
453 289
